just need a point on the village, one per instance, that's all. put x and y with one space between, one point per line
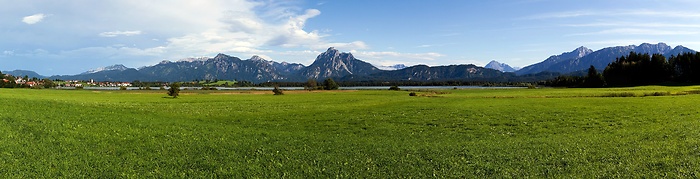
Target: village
9 81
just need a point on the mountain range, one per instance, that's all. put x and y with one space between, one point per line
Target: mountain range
438 73
344 66
582 58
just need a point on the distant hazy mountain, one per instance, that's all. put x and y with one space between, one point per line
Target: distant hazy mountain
582 58
439 73
499 66
222 67
392 67
22 73
334 64
110 73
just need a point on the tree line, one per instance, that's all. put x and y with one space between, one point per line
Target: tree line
638 69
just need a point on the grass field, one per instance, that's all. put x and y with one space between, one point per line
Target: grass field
504 133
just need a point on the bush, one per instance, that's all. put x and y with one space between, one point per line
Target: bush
693 92
395 88
122 88
329 84
622 94
311 85
147 88
174 90
79 87
657 94
278 91
412 94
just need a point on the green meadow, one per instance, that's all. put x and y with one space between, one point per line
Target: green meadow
640 132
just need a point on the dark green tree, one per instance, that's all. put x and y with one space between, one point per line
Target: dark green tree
659 69
685 67
329 84
311 84
277 90
396 88
593 79
174 90
48 83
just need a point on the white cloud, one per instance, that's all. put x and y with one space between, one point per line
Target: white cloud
422 56
615 13
356 45
391 58
568 14
292 33
627 24
120 33
637 31
33 19
175 30
244 30
383 58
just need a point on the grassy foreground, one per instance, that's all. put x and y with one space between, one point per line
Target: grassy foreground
512 133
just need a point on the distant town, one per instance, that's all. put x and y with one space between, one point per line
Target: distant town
9 81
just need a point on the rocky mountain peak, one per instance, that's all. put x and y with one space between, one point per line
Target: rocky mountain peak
117 67
660 48
333 55
499 66
679 50
333 63
257 58
331 50
193 59
583 51
221 55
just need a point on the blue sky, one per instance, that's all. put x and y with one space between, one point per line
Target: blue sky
70 37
